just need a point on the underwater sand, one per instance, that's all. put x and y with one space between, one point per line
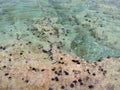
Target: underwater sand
59 45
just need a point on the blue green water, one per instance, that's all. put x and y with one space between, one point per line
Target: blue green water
88 28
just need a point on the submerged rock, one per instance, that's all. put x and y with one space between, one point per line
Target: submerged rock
53 70
48 45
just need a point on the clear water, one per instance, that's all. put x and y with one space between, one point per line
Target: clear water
87 28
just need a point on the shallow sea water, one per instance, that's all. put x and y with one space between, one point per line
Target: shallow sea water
59 45
88 28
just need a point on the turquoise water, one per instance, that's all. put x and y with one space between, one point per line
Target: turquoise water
88 28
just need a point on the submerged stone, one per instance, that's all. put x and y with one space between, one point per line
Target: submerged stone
87 47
